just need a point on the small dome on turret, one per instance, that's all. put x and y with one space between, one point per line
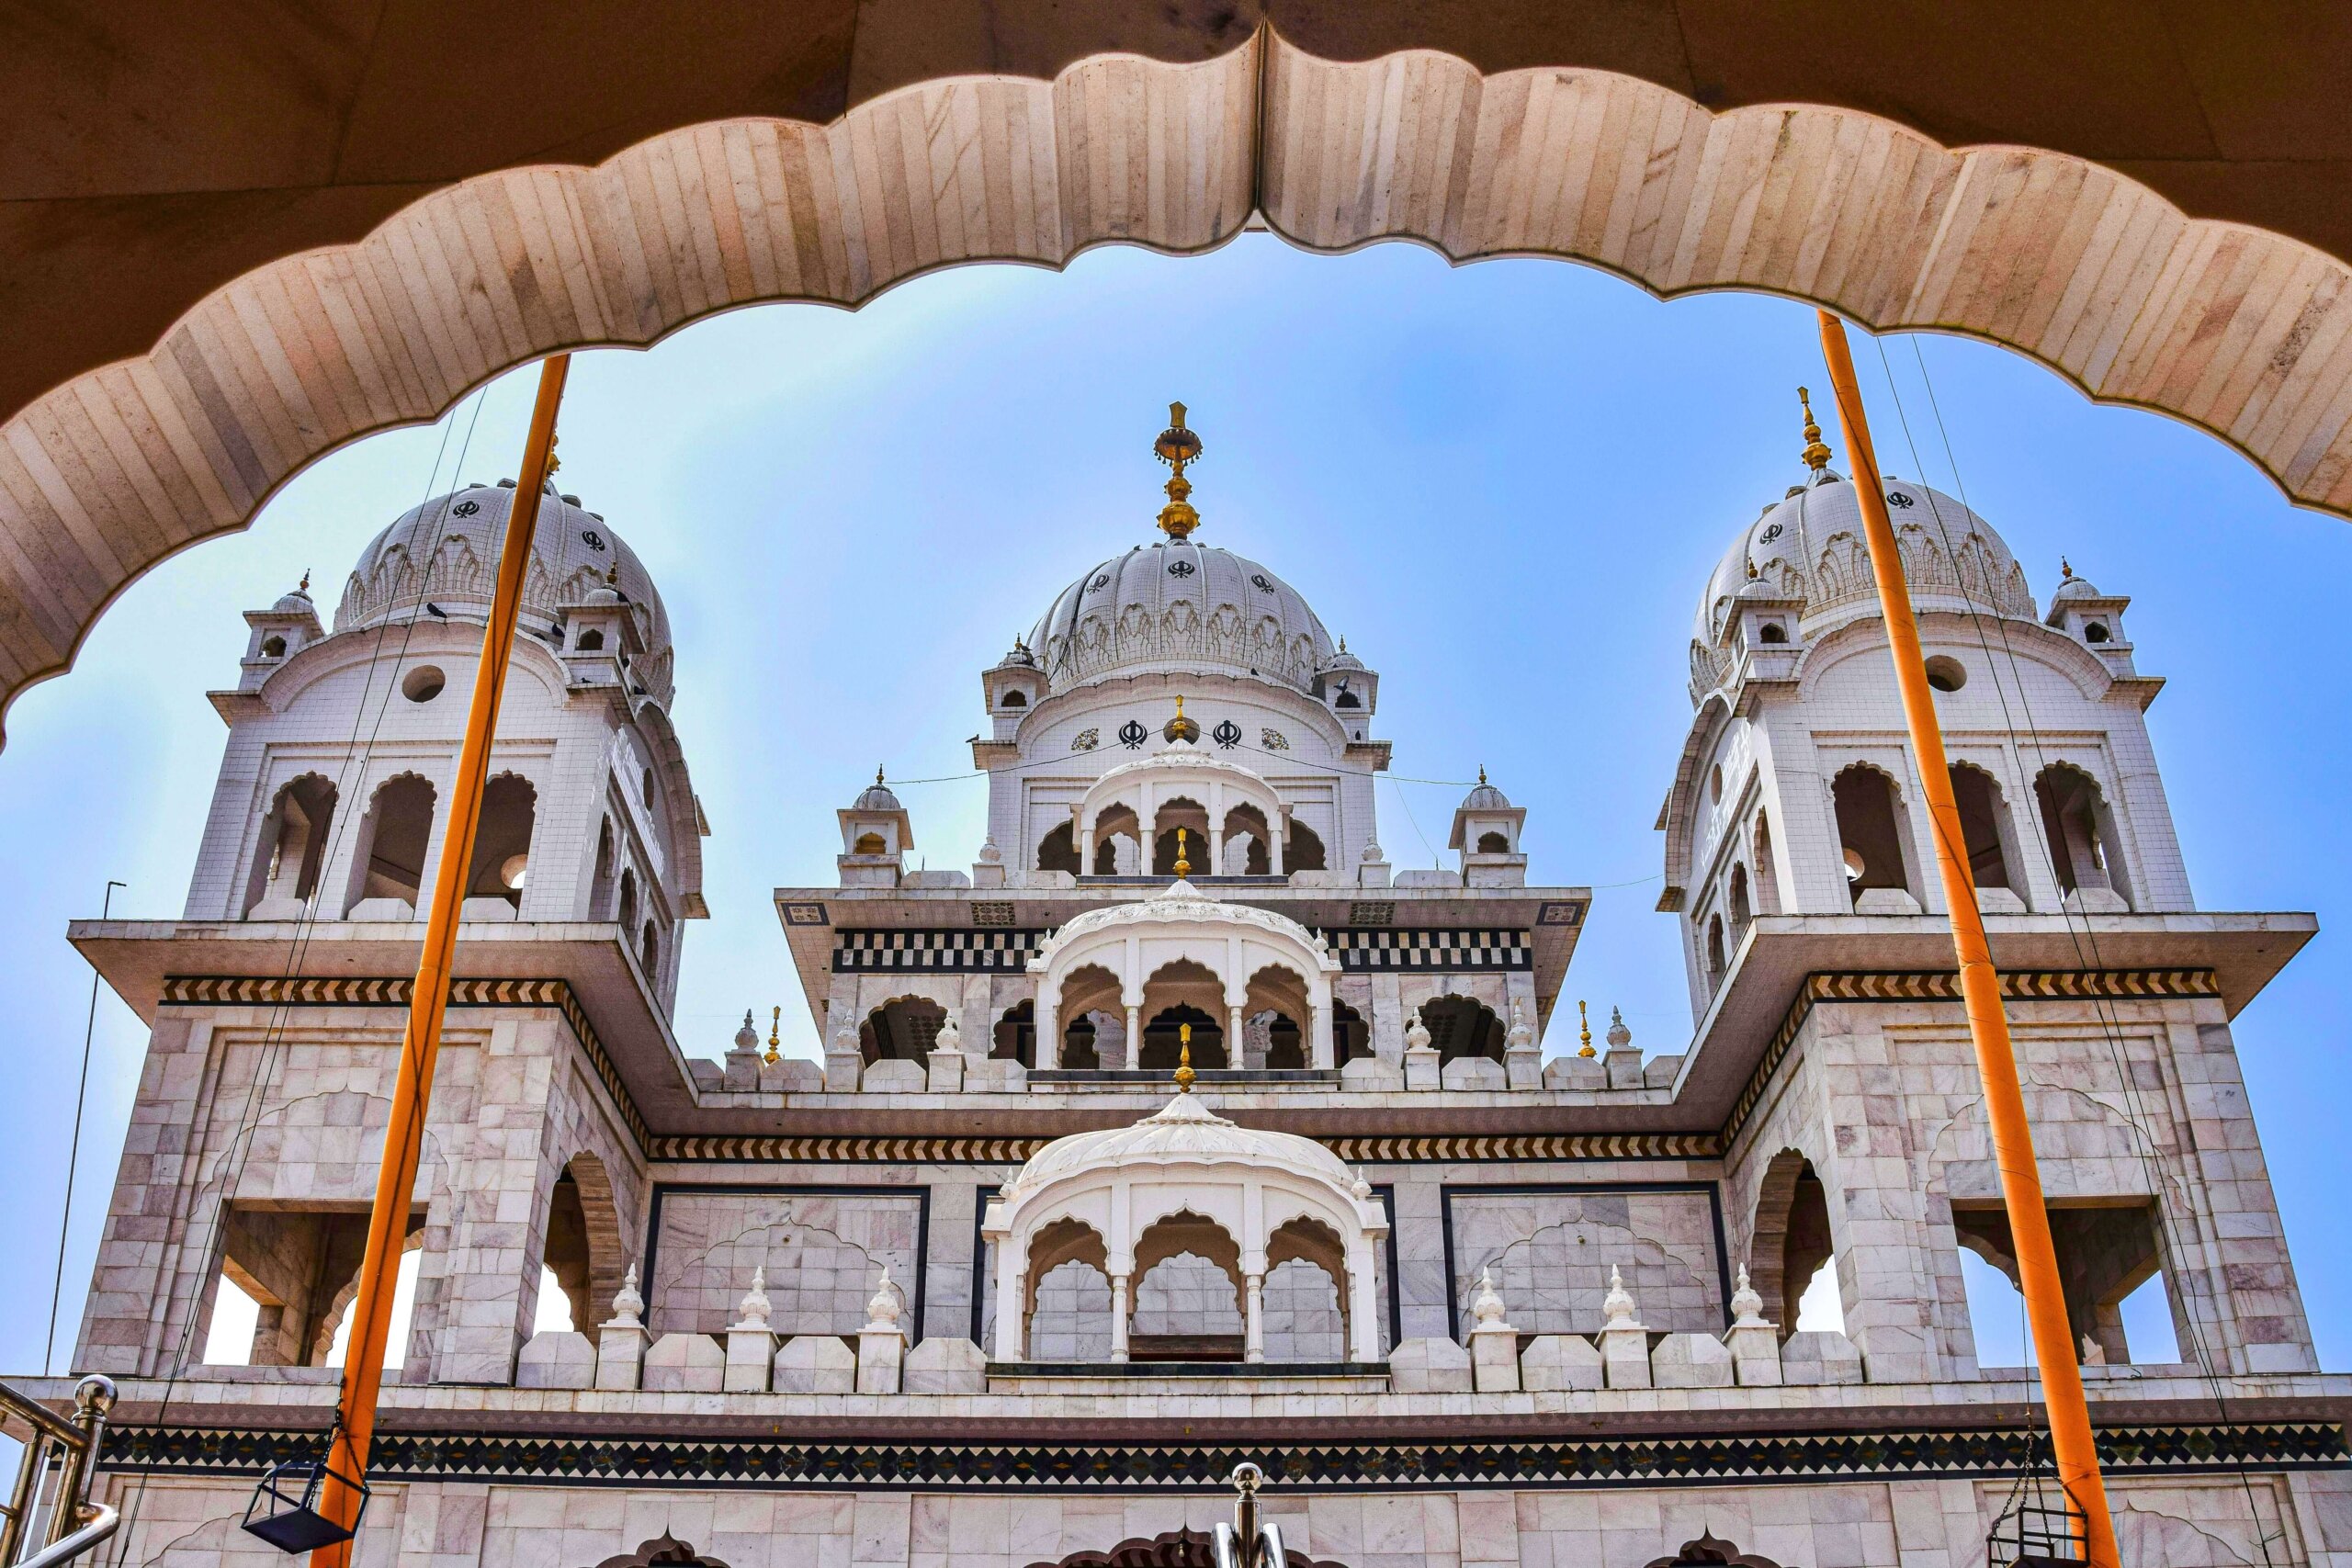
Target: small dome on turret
877 797
1484 796
297 602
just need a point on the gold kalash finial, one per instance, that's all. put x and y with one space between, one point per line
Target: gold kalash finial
1185 1073
1176 447
1584 1032
1816 456
775 1019
1184 866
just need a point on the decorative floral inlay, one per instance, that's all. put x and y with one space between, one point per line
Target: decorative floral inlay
1086 741
1273 741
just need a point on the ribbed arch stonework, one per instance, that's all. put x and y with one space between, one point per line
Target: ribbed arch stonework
2241 331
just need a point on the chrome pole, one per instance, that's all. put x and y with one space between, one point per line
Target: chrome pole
94 1397
26 1496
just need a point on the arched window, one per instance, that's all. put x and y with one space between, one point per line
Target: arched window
600 886
1788 1244
1984 823
1715 950
1347 700
292 850
1766 890
649 952
1014 700
591 640
389 864
582 1258
645 788
1014 1039
1774 632
1304 849
2080 831
869 844
900 1030
1163 1040
1493 844
1350 1035
1736 901
1460 1026
1870 830
1057 851
272 647
627 913
502 841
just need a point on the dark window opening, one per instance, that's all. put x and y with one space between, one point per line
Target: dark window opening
1980 814
1162 1044
1057 851
1014 1038
1869 829
1461 1027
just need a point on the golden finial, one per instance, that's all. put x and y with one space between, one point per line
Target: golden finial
1185 1073
1482 772
1816 456
612 572
1584 1031
775 1022
878 774
1176 447
304 586
2066 569
1184 866
1187 731
554 462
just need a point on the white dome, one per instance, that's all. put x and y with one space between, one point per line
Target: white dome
1184 1132
460 534
1180 606
1809 547
1179 903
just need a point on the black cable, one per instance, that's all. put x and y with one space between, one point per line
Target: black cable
240 1144
73 1149
2085 940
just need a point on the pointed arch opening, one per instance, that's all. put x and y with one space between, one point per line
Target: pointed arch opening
387 867
292 850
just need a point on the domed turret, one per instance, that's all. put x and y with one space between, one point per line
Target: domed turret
1808 549
444 553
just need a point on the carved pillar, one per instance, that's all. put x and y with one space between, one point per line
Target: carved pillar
1253 1335
1118 1317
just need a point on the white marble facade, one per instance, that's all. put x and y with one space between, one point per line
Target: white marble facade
979 1289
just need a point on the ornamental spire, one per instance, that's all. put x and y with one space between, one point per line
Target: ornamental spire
1185 1073
1176 447
1816 454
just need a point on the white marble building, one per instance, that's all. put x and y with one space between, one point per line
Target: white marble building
982 1290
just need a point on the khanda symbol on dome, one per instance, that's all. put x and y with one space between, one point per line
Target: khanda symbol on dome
1176 447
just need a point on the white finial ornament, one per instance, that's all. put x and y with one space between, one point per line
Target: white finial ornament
1416 1033
755 1306
627 1303
883 1311
1521 1036
1488 1307
1619 1035
991 854
1746 1306
1617 1306
949 1041
747 1038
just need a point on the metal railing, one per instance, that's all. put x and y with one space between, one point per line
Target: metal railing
1251 1541
70 1446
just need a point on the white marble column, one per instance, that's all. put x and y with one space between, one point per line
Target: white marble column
1118 1317
1253 1337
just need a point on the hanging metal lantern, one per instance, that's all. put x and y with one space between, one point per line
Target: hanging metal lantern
285 1508
2041 1526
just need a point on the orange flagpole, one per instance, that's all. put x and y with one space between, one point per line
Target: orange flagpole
2075 1449
363 1365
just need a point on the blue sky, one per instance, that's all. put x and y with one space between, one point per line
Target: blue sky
1505 484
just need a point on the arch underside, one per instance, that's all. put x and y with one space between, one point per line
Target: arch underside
2242 332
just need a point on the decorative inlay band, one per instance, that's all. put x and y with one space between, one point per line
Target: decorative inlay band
1355 1150
1943 986
315 991
656 1460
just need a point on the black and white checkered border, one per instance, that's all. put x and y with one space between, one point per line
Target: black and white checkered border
937 952
1396 948
621 1457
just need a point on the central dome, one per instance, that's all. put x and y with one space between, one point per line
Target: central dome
1180 606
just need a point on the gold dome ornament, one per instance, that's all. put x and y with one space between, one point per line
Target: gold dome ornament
1176 447
1187 731
1184 866
1185 1073
1816 454
1584 1032
775 1019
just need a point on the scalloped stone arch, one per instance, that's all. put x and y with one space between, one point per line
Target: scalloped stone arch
2242 332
